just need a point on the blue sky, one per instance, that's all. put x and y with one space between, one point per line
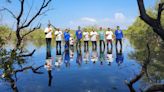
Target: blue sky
71 13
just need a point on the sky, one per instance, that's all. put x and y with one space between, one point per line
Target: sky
73 13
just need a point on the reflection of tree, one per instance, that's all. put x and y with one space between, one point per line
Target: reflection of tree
9 71
142 72
151 65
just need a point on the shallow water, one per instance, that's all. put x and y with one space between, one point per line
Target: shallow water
77 75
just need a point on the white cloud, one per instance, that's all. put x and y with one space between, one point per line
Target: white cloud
84 21
118 19
88 19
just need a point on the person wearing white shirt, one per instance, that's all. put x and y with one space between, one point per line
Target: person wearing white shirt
48 35
109 57
109 37
86 39
94 35
58 35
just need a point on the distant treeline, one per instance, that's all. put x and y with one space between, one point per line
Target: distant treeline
38 34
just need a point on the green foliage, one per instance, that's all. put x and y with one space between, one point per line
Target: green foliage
5 32
140 34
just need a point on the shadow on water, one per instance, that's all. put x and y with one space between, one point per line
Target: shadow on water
91 70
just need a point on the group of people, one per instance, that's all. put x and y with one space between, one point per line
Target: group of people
94 36
104 37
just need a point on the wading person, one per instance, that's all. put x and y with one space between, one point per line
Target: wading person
119 36
58 35
48 35
86 40
101 37
78 37
66 38
109 37
94 39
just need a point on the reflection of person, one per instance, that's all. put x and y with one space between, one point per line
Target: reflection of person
94 39
66 38
94 56
101 37
119 56
71 54
58 35
119 36
48 66
71 41
59 59
78 37
102 56
79 58
109 37
48 32
67 58
109 57
86 56
86 40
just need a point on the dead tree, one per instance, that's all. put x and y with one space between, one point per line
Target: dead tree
21 23
154 23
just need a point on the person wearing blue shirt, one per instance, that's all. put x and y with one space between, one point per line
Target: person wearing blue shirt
67 58
66 38
78 37
119 36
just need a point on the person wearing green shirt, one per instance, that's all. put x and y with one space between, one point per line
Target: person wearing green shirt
101 37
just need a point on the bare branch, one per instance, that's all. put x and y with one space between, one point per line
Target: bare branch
43 6
35 28
49 9
29 67
27 55
27 15
5 9
21 12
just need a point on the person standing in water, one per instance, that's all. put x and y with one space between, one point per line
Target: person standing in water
109 37
119 36
78 37
94 39
58 35
66 38
101 37
86 40
48 35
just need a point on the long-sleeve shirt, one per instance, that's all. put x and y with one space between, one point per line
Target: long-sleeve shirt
119 34
79 34
66 36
